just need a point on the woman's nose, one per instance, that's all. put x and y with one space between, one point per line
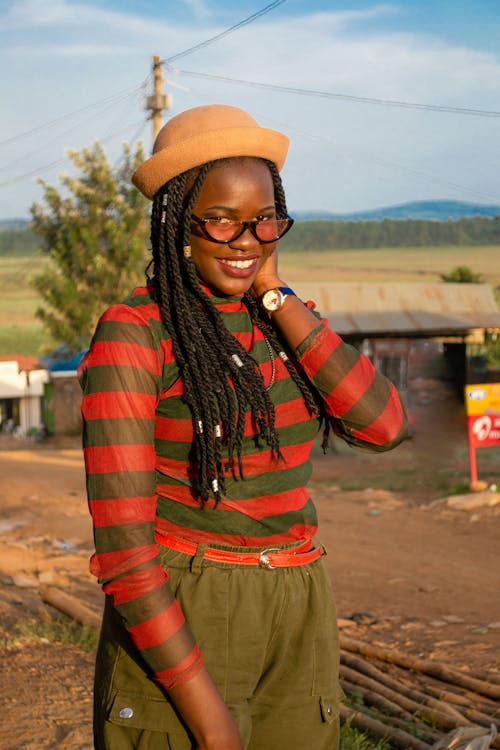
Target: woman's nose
245 241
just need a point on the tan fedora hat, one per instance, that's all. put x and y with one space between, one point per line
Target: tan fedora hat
198 135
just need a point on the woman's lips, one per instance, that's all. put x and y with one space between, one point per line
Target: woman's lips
239 267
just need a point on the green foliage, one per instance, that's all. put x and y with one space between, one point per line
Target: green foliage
487 354
20 339
352 739
52 628
462 275
95 236
327 235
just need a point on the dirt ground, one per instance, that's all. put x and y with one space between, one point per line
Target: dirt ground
409 569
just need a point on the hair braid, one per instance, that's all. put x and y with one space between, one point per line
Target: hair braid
222 382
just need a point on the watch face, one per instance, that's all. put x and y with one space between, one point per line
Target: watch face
272 300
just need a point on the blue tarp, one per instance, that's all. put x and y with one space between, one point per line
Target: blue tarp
58 362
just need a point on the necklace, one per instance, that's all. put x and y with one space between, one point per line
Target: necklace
236 360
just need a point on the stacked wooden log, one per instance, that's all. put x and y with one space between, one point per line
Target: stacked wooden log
410 701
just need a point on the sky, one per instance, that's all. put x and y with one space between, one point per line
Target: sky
407 102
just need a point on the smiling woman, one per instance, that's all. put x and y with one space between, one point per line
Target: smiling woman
203 394
231 248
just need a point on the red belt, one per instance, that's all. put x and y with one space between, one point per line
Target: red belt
269 558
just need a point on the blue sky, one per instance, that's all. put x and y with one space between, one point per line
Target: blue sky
76 71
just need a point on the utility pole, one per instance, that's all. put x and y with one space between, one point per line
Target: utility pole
158 101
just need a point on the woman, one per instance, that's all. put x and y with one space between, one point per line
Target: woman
203 394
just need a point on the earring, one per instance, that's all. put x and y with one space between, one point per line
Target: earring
187 251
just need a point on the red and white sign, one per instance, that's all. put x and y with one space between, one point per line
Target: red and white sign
484 430
482 404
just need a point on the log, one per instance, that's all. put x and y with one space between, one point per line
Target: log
400 686
454 694
435 716
70 606
370 698
425 732
364 723
427 666
434 689
477 717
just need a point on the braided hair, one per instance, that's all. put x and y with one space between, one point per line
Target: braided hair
222 382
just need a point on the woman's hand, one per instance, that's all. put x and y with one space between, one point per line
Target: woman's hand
205 713
267 275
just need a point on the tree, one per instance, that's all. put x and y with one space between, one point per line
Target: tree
96 241
462 275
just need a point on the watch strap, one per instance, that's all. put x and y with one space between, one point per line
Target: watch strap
286 291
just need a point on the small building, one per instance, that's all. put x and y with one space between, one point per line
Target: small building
22 383
63 395
390 321
39 396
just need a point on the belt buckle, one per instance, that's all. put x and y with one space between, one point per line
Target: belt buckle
264 561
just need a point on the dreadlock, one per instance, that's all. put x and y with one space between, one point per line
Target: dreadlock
222 382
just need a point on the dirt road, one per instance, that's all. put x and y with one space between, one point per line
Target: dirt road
420 575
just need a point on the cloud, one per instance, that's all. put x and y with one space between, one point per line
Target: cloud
63 56
28 16
199 8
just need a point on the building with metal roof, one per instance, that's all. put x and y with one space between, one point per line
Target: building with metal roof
406 310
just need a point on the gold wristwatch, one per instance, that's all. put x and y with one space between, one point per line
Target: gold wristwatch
273 299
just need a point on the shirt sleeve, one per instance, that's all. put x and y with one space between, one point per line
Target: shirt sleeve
121 381
363 404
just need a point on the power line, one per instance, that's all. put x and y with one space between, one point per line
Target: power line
108 100
222 34
40 148
357 156
64 160
341 97
267 9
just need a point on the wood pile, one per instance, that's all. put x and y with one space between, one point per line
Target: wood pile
413 702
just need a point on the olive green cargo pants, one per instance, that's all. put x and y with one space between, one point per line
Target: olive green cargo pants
269 640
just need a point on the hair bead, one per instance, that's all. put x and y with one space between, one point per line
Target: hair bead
237 361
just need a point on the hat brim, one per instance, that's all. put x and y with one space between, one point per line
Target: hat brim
213 144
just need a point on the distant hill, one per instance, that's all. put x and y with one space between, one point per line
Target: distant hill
436 210
13 225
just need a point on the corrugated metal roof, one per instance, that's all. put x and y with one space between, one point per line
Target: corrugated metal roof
404 308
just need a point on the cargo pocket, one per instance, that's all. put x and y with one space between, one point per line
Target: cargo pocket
325 664
329 709
135 721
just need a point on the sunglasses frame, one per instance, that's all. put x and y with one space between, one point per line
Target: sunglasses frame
250 225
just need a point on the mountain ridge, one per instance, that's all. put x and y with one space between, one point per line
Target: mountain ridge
428 210
425 210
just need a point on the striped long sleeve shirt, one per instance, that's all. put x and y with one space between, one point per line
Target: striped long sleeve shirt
138 433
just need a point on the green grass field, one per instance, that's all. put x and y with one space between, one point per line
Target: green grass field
21 333
417 264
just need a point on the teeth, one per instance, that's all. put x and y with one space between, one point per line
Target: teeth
240 263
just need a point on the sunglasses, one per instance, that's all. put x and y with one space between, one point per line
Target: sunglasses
224 230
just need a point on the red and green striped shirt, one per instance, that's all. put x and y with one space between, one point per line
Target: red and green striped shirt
138 433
